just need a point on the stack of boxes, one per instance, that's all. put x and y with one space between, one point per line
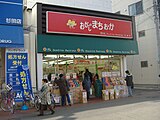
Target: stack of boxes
111 94
116 86
105 94
76 94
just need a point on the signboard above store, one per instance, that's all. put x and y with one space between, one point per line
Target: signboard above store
11 36
11 12
52 44
12 1
65 23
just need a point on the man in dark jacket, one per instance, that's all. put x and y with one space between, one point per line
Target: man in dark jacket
129 82
63 87
87 82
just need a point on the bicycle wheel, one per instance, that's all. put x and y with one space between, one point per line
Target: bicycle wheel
36 103
12 108
5 105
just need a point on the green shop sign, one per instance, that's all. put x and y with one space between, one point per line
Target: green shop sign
64 44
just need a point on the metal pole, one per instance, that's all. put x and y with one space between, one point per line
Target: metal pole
156 21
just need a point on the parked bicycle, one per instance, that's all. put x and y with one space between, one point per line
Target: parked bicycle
7 103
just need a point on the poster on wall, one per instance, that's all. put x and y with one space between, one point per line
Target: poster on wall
14 58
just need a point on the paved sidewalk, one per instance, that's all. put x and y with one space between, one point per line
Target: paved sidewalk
145 105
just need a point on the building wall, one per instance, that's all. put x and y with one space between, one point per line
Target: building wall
30 31
148 49
99 5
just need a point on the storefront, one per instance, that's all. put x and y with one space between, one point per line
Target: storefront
70 40
11 31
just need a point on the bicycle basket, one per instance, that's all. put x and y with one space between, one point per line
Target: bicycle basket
8 87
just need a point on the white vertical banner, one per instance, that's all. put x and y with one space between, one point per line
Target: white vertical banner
39 70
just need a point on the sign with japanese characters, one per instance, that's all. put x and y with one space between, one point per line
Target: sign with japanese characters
25 81
12 12
11 36
15 58
64 23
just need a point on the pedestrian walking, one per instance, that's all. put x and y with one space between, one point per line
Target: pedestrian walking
64 88
129 82
45 98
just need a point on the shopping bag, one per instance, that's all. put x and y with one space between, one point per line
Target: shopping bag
91 91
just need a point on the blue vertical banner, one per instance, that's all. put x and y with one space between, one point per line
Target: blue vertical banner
25 81
15 58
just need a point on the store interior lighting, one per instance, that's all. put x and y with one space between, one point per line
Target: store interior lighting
63 59
94 56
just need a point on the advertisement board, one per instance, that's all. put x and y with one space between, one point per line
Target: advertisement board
25 81
15 58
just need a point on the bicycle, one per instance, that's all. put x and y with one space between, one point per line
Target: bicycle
7 103
36 101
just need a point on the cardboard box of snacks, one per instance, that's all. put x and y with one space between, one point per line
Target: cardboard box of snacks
111 93
105 94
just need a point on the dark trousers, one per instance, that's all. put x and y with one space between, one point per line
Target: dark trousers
88 94
64 99
42 108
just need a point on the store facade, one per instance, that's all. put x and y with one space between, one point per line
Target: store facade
68 40
11 31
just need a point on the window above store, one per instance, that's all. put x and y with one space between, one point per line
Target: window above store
141 33
136 8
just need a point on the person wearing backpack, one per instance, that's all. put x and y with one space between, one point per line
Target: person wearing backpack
129 82
87 82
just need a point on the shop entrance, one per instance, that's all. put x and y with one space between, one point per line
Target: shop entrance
74 66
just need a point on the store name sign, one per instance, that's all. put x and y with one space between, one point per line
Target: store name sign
65 23
11 12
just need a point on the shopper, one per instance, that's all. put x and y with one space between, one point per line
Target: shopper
45 97
129 82
96 77
49 77
87 82
64 88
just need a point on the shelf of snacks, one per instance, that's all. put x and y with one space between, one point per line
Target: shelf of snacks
75 86
115 85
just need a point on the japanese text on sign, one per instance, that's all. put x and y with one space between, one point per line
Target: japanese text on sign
96 25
